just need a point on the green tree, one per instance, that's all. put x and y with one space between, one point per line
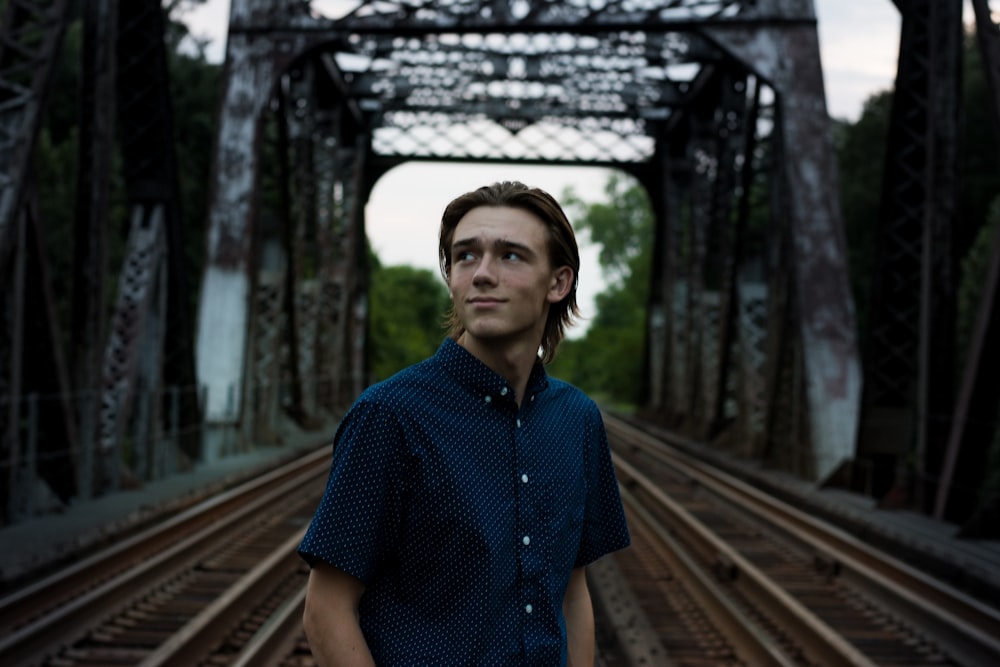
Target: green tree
408 309
861 156
974 267
607 361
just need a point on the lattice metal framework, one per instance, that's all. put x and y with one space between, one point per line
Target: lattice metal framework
927 440
695 98
715 106
119 367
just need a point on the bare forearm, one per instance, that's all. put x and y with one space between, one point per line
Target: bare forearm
579 613
330 619
337 644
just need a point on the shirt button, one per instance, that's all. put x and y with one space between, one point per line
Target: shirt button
527 608
526 540
488 399
503 392
524 479
519 423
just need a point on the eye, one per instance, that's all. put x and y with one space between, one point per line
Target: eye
512 255
463 256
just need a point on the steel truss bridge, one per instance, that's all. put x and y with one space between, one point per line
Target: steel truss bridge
716 107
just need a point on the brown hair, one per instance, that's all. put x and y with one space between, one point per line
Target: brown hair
563 250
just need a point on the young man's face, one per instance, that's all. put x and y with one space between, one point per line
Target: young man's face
501 279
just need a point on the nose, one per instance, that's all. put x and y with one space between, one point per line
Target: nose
485 272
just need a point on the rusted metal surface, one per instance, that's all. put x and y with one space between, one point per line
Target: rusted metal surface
226 282
89 608
31 35
26 66
93 195
788 58
976 411
146 131
910 338
806 579
135 345
752 325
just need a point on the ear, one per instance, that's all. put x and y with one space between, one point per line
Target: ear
562 283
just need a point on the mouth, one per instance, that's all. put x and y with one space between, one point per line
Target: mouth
483 301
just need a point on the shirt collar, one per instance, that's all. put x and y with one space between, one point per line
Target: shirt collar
479 378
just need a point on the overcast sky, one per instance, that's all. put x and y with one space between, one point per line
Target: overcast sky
859 41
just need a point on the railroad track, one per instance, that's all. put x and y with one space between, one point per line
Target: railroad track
719 574
220 578
733 576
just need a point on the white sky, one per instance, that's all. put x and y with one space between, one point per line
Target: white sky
859 42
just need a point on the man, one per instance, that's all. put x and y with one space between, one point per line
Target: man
468 492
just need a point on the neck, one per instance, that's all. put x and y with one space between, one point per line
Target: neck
511 362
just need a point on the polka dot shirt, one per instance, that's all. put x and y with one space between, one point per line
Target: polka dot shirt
463 514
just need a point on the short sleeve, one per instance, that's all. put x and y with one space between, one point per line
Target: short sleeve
604 526
357 521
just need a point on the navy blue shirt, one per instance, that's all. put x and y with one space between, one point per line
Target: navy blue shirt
464 515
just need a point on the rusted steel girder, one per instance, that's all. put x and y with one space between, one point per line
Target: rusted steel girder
975 421
31 35
560 84
93 203
910 346
255 64
227 286
146 131
787 57
26 66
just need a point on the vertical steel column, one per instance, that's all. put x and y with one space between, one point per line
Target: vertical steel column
291 121
136 332
358 262
146 131
974 425
659 186
738 335
909 353
700 305
328 275
253 62
93 192
303 296
678 284
726 252
31 35
26 66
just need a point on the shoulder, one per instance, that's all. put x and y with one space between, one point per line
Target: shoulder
405 392
572 397
400 386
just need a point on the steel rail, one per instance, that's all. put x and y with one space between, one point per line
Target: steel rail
35 599
749 640
194 642
276 638
817 640
963 626
27 643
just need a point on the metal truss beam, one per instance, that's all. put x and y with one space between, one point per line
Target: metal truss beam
560 83
909 353
977 408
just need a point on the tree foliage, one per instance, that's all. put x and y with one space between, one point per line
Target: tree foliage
408 309
607 361
194 91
